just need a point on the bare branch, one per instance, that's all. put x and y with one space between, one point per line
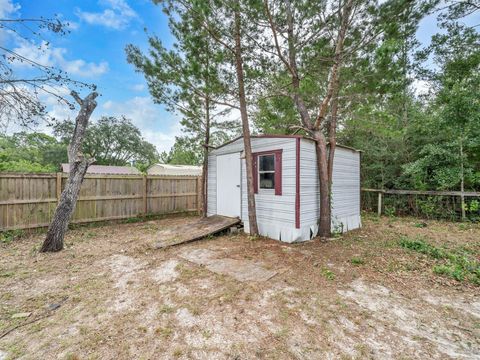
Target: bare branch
77 98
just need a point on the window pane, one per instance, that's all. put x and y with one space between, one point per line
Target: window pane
267 162
267 181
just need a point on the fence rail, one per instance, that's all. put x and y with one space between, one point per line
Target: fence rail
29 200
421 203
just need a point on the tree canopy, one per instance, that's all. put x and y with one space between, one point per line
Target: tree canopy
112 141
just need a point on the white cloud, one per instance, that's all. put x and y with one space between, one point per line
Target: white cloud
146 116
117 15
8 8
141 110
72 25
163 140
138 87
82 68
48 55
421 87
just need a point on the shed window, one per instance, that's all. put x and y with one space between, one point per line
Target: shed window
266 171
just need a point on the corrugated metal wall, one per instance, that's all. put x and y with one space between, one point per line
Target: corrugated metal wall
345 188
212 185
271 208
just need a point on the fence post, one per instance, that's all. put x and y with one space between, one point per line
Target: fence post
199 195
379 210
59 186
144 188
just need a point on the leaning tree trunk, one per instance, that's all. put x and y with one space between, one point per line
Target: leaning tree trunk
78 167
252 213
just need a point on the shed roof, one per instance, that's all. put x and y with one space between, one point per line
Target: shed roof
283 136
106 169
172 169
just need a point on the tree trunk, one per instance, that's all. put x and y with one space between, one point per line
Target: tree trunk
332 137
252 214
78 168
205 157
324 222
332 144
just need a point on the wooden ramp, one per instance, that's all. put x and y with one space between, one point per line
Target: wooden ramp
197 230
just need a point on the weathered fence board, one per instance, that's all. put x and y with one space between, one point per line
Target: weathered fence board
451 205
29 200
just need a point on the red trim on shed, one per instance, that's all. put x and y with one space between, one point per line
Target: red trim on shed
278 173
297 185
255 172
278 169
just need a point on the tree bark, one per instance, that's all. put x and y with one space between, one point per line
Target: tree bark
332 138
205 157
324 221
78 167
252 214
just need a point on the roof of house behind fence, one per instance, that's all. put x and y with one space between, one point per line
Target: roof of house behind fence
172 169
106 169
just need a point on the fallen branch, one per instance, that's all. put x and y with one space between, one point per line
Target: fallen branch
47 314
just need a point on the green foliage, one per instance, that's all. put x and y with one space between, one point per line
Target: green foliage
328 274
6 237
357 261
190 79
421 225
31 152
472 206
337 229
459 264
276 115
411 141
183 152
112 141
390 211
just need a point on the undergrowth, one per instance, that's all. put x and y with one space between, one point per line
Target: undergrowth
459 264
7 237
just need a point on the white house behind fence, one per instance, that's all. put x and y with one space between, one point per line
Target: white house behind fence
286 186
175 170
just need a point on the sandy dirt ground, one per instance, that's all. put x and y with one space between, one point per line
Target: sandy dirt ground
111 295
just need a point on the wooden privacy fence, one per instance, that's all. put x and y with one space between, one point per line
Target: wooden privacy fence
438 204
29 200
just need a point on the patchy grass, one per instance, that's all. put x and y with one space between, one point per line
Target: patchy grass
458 263
357 261
328 274
356 296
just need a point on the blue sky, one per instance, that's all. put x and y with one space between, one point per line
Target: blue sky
94 52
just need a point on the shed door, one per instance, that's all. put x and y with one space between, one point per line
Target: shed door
228 185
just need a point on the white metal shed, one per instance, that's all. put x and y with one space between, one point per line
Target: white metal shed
286 186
